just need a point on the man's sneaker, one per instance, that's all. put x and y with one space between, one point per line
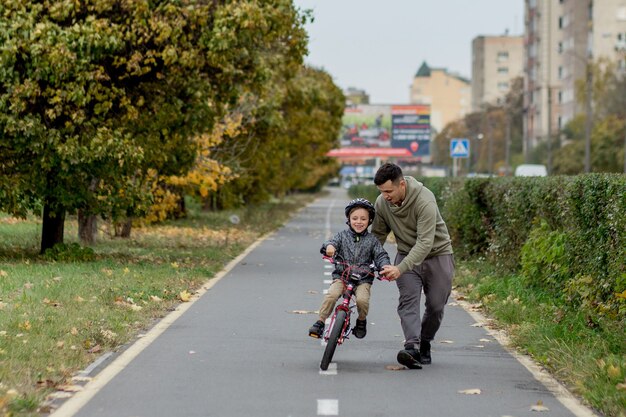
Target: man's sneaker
360 330
317 330
425 352
410 357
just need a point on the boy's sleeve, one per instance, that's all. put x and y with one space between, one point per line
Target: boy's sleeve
335 241
381 257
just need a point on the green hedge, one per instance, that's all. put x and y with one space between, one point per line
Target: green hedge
566 234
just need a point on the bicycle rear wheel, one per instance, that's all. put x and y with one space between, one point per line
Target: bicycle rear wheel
335 333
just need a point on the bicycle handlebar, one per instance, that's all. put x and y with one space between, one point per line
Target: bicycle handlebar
351 268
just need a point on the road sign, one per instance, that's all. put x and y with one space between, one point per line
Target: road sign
459 148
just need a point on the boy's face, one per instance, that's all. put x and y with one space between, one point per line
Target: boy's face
359 219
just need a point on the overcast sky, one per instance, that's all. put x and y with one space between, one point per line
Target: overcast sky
379 45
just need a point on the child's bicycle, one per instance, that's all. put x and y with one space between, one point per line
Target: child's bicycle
339 327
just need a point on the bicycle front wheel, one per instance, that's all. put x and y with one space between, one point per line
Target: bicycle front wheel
333 339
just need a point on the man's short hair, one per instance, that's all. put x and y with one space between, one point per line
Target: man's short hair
388 172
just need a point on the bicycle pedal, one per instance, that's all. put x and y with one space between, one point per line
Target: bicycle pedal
314 335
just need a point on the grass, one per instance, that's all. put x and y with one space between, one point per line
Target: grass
57 317
587 355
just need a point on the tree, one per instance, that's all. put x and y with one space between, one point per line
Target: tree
105 91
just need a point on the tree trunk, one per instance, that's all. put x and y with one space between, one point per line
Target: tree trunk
122 229
53 226
87 227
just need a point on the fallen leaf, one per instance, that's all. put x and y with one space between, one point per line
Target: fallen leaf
74 331
613 371
539 407
621 386
395 368
59 395
471 391
184 296
28 285
70 388
95 349
3 273
79 299
155 299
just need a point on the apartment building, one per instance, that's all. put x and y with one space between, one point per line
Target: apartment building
496 61
447 94
562 37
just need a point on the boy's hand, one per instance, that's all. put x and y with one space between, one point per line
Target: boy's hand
390 272
330 250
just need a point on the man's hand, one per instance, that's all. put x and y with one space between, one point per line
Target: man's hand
390 272
330 250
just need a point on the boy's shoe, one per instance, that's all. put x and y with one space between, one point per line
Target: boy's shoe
317 330
410 357
425 352
360 330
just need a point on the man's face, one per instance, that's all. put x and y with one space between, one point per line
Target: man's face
394 193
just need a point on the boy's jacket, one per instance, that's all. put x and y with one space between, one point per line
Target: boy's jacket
363 250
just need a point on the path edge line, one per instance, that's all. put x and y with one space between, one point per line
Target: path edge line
79 399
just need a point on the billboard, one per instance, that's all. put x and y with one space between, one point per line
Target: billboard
410 128
388 126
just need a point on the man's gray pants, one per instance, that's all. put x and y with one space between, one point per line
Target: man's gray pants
434 276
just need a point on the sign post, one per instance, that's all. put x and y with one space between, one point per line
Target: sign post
459 148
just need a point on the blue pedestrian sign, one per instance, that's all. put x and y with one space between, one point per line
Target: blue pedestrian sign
459 148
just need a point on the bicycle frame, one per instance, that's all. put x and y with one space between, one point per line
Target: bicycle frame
347 305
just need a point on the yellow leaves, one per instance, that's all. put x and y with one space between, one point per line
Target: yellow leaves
184 296
174 265
621 295
25 325
3 273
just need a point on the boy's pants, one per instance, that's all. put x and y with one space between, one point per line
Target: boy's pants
434 276
335 291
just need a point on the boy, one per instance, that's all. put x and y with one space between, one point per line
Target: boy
355 246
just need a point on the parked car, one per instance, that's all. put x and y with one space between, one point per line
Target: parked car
531 170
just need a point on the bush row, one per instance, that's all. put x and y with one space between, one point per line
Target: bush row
565 234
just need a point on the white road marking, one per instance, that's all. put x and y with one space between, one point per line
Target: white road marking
328 211
332 369
327 274
325 292
328 281
327 407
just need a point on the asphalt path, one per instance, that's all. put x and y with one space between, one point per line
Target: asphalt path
241 349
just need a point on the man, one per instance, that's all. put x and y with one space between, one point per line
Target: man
424 259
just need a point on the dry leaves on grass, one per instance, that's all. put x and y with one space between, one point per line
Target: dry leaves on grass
184 296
